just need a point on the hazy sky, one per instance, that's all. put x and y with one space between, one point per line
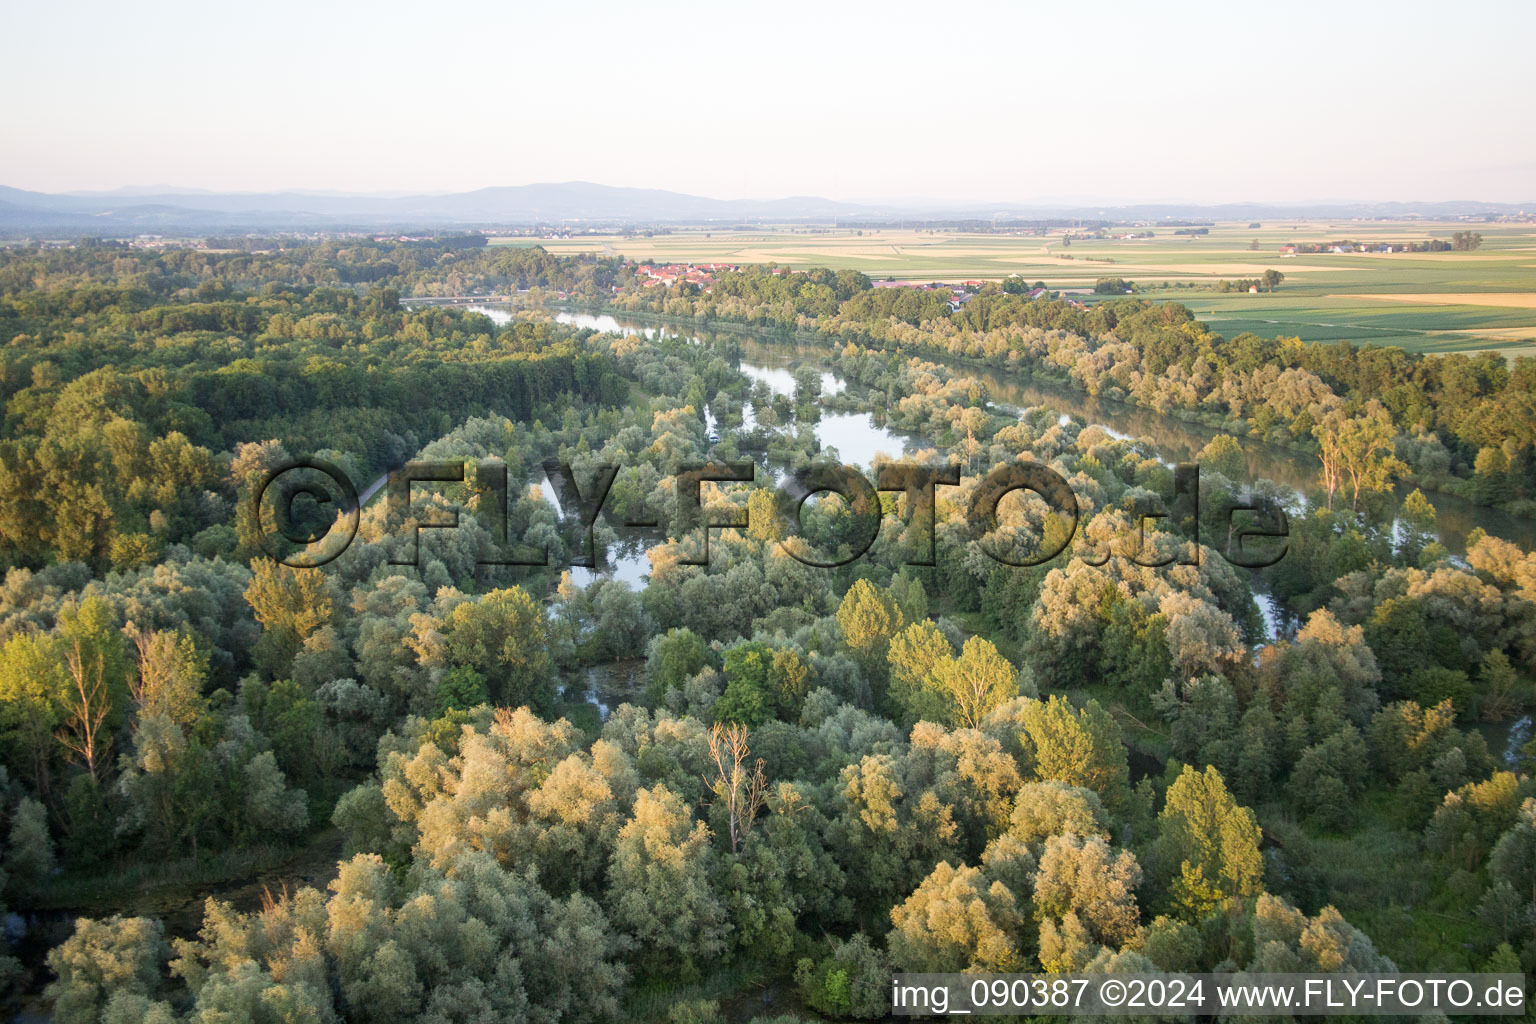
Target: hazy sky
1095 101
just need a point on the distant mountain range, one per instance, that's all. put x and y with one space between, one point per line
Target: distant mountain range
172 211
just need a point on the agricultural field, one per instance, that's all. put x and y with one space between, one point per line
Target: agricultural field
1428 302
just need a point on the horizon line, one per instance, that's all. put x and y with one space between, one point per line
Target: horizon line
128 191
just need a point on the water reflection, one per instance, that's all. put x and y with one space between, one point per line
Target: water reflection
1507 740
856 436
855 439
1279 622
624 561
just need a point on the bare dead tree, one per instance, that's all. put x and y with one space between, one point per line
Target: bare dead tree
1332 457
153 657
87 704
741 790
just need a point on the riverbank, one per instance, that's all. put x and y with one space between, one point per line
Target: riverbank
1451 487
1174 438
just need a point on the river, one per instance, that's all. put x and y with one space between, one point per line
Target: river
857 437
854 437
1170 439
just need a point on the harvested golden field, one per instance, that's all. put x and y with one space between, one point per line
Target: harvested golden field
1235 269
1502 333
1503 300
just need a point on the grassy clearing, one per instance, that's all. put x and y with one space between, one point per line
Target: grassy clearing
742 983
168 888
1379 877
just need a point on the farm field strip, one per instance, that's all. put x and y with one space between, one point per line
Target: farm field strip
1516 300
1432 301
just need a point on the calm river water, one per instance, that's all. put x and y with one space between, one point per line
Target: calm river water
858 437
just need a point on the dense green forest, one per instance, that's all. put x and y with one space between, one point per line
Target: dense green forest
815 776
1460 423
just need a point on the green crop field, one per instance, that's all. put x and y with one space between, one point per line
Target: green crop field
1431 302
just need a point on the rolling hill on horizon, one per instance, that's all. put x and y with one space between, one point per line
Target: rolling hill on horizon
161 209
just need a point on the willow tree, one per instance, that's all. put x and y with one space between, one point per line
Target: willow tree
1080 748
915 657
1208 843
957 920
868 620
658 889
978 681
503 636
1358 449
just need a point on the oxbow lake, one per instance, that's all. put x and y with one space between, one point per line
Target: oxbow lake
856 438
